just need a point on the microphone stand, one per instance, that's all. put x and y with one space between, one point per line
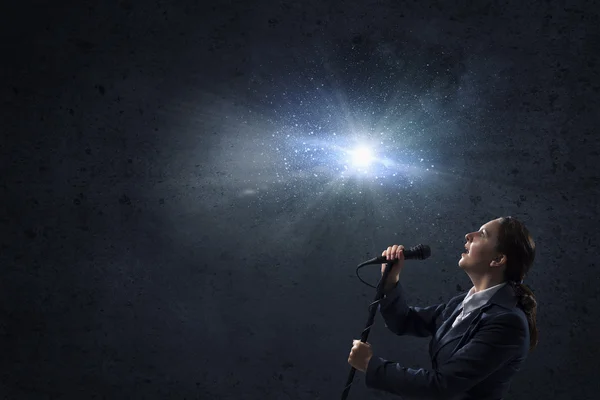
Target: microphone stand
372 312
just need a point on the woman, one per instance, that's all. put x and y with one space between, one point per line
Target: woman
479 339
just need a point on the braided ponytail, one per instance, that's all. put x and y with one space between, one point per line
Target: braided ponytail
517 244
528 304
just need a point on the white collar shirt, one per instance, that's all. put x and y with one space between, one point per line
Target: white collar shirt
473 301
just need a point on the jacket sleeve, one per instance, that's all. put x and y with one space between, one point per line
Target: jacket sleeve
497 342
404 320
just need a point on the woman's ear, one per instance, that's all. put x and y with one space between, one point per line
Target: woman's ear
499 260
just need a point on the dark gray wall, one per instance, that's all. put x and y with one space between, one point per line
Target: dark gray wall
154 244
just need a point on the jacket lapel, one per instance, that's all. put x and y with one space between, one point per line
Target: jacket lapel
459 330
448 322
505 297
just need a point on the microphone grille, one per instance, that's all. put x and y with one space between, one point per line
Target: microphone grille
422 251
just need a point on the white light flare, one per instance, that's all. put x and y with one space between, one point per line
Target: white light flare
362 156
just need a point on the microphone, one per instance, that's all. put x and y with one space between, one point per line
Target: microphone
418 252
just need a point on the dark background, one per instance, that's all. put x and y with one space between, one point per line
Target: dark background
161 237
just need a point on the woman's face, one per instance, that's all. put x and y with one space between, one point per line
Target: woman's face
480 247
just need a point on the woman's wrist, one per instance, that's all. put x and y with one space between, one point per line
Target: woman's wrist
390 286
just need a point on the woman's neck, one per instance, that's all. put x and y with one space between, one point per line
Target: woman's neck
483 282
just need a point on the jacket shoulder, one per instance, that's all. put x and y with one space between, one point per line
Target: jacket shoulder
514 317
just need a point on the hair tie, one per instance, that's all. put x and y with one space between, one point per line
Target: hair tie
517 286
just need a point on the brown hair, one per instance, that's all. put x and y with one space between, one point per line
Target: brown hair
516 243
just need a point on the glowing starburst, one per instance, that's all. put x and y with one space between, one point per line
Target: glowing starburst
362 156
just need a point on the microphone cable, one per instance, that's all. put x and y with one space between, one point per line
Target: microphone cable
419 252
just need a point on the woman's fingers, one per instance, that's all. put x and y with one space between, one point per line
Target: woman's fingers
393 252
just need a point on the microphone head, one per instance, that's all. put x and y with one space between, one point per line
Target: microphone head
419 252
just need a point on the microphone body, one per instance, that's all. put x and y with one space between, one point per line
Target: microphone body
419 252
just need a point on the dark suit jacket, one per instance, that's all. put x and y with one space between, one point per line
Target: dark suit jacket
474 360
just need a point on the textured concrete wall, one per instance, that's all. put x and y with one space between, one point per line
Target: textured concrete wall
167 234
